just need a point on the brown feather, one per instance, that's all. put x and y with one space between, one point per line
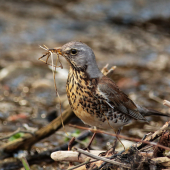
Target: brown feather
117 98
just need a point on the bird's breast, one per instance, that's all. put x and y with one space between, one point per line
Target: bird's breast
79 93
89 106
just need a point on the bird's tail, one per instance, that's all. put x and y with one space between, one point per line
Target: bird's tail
149 112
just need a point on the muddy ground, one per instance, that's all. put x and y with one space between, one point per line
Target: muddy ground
132 35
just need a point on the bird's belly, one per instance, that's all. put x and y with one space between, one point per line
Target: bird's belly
102 122
91 115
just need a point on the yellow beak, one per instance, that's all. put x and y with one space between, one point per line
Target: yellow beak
57 50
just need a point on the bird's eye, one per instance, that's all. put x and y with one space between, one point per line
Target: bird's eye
73 51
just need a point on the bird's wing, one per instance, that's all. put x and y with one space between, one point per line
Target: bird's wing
108 89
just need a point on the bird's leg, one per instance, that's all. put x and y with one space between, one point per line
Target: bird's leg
91 140
112 149
88 146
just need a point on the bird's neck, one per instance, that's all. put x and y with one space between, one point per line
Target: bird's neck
90 71
82 77
93 71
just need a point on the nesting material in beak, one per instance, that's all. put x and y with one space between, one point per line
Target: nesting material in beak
49 53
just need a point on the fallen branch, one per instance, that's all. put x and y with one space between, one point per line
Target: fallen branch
40 157
26 141
72 156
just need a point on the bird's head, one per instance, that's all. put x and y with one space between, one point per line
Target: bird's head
80 57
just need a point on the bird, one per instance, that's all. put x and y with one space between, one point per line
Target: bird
94 97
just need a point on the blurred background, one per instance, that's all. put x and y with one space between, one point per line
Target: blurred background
133 35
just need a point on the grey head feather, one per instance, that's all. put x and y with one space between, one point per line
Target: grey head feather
85 58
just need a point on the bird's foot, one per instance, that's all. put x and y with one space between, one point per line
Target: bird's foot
109 152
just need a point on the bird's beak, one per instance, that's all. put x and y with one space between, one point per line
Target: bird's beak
58 50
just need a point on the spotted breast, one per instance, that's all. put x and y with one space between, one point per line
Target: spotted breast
89 105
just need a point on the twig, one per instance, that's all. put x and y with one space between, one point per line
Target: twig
15 132
70 137
154 136
108 73
101 158
153 97
84 163
163 140
70 145
11 134
166 103
142 142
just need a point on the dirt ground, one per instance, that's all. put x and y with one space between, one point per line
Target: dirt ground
132 35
